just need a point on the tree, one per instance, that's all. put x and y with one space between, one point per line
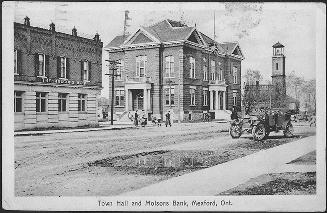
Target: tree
252 76
251 93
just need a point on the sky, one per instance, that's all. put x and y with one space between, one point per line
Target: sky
255 26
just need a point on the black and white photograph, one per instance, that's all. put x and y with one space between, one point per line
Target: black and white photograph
164 106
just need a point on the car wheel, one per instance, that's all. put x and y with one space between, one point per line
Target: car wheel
235 131
289 131
259 132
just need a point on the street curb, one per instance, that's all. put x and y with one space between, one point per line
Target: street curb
69 131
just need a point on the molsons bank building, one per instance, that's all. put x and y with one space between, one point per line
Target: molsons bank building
57 77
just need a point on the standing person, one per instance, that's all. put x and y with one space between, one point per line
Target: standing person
136 119
168 122
234 115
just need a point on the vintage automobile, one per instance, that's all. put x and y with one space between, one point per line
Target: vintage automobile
261 125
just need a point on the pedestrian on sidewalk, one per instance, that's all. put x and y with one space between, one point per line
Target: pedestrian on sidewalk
136 118
234 115
168 122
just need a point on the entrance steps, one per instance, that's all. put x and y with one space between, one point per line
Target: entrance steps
222 114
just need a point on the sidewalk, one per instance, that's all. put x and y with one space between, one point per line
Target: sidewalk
103 127
216 179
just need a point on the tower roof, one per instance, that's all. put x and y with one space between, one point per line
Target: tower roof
277 45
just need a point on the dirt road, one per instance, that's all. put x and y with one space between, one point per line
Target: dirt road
59 164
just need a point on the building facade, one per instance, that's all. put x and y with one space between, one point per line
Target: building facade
171 66
57 77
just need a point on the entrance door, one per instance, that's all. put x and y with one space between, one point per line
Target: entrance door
214 99
137 99
221 100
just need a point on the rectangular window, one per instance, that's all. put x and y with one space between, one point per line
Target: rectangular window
234 98
41 102
192 92
235 75
140 65
205 97
205 70
18 102
169 96
85 70
62 102
120 69
220 74
169 66
120 97
213 71
276 66
41 65
63 66
81 102
15 62
192 69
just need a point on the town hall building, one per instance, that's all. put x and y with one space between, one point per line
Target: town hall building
172 66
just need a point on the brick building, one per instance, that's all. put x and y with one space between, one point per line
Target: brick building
57 77
170 65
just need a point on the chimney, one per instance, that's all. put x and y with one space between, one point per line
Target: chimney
97 37
74 31
27 21
52 27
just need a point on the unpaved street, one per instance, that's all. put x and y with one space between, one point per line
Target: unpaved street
108 162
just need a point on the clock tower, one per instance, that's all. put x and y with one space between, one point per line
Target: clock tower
278 71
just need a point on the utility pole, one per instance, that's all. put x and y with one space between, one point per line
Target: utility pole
113 67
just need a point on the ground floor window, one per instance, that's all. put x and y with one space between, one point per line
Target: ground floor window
18 102
205 97
41 102
120 97
192 92
169 96
234 98
81 102
62 102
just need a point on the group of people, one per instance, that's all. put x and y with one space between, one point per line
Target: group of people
140 118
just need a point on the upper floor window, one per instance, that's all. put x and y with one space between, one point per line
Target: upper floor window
169 95
81 102
192 69
192 92
15 62
220 74
62 67
235 75
86 66
213 71
276 66
120 97
18 102
41 102
205 70
140 65
62 102
169 66
40 65
120 69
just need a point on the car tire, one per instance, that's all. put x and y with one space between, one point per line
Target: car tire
259 132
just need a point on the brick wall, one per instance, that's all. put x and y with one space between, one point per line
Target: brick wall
229 63
32 40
